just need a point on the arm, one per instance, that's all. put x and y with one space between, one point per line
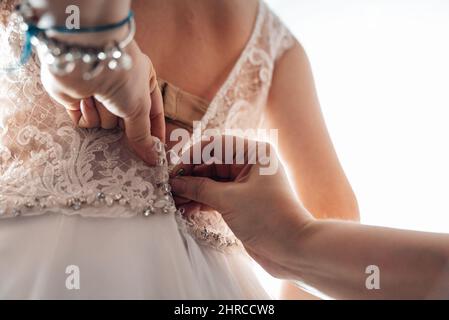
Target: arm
317 176
282 236
333 256
127 96
91 12
304 142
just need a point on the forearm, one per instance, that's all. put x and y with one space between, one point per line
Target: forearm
334 200
92 12
50 13
304 142
333 257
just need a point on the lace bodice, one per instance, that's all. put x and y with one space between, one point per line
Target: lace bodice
48 166
240 101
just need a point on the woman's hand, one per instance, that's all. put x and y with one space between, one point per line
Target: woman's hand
261 210
129 98
332 256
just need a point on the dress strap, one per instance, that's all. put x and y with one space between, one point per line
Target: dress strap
180 107
280 39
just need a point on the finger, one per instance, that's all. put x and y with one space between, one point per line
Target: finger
217 172
190 209
107 119
56 92
179 201
75 116
204 170
157 118
89 115
185 167
182 170
203 190
138 132
121 124
217 157
71 105
213 171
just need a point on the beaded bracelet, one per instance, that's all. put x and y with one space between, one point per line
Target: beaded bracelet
62 57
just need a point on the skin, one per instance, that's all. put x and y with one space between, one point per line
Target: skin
129 98
332 256
92 12
293 107
318 178
198 32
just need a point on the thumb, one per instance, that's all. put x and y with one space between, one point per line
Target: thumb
202 190
138 132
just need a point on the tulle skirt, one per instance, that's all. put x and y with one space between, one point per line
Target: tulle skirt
72 257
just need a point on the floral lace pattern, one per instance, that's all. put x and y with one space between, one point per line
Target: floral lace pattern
48 166
240 102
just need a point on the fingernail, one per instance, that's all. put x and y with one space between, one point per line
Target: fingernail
178 185
156 155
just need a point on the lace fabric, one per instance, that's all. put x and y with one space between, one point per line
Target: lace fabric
48 166
242 98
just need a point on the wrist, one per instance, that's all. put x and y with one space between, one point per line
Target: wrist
294 257
62 47
50 13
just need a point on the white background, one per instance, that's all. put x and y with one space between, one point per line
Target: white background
382 74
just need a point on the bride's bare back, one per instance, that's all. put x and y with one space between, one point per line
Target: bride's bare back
196 50
194 44
50 169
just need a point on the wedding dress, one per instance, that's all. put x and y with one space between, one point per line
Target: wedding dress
75 197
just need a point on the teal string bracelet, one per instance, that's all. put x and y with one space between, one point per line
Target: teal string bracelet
32 31
62 57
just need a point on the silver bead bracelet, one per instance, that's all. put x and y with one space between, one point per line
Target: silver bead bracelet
62 57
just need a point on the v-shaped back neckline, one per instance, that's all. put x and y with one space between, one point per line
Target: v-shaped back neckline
237 66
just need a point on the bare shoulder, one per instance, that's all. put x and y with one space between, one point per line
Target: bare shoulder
292 76
294 109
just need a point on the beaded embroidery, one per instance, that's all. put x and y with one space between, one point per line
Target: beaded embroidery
47 166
